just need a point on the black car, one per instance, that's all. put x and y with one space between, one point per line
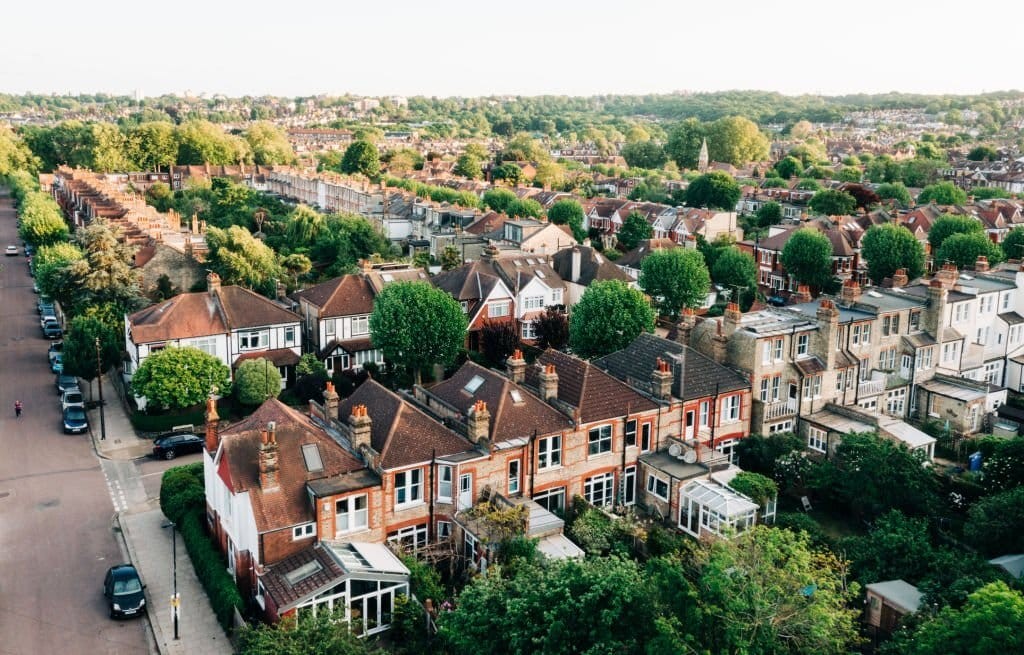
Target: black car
170 446
75 420
65 382
124 591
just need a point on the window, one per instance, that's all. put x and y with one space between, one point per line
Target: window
960 312
444 530
766 257
950 351
250 340
473 384
289 336
890 359
208 346
351 514
849 378
839 382
817 439
1006 301
895 402
513 476
599 441
408 487
728 448
776 384
812 387
360 325
329 326
556 296
469 547
498 309
645 437
865 334
765 389
896 324
705 411
657 487
777 350
549 452
553 500
600 489
784 426
731 409
915 321
533 302
631 432
304 531
529 330
444 483
801 344
766 353
885 326
465 306
629 485
413 536
855 335
982 336
924 359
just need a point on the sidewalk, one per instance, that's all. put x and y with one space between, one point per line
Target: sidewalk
149 548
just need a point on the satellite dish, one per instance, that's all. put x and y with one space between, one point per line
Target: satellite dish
690 456
675 450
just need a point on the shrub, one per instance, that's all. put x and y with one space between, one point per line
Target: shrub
210 569
144 422
181 490
757 487
800 522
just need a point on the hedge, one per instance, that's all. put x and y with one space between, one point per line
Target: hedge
164 422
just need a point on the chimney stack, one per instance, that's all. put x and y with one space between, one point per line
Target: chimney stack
661 380
268 457
490 252
931 318
361 424
685 326
330 402
212 423
731 318
947 275
516 366
981 265
479 424
899 278
802 295
548 382
212 282
850 292
720 344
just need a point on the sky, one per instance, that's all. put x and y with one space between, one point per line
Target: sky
528 47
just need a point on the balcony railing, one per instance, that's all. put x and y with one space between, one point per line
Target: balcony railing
871 387
777 410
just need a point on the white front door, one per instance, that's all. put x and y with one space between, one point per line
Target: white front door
689 425
465 491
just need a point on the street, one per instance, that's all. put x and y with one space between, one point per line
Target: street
57 498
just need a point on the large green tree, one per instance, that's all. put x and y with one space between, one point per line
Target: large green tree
608 317
717 190
326 633
239 258
675 279
947 225
1013 244
833 203
942 193
568 211
468 165
49 265
894 191
684 141
634 230
770 213
256 380
416 326
889 247
644 154
736 140
80 355
362 158
176 378
807 256
106 272
40 221
995 524
499 199
736 271
153 146
269 144
202 142
964 250
788 167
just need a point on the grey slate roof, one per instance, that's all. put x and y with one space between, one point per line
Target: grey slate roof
700 376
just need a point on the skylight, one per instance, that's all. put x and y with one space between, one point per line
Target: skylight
311 454
388 277
306 570
473 384
516 396
540 274
529 261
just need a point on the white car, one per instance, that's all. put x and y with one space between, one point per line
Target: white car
72 398
12 250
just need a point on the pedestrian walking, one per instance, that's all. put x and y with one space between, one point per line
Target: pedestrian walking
17 408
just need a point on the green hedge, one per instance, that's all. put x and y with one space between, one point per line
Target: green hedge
164 422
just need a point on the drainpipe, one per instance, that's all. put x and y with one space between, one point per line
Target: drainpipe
531 447
433 465
622 471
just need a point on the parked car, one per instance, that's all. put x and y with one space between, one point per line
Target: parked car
52 330
171 445
11 250
66 382
75 420
57 363
29 250
47 316
35 287
124 591
72 398
45 305
56 348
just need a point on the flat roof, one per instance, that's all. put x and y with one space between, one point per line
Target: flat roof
904 432
839 422
558 546
846 314
952 390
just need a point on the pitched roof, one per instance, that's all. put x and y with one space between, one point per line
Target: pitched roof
287 504
593 266
510 417
633 258
583 386
399 431
348 295
700 377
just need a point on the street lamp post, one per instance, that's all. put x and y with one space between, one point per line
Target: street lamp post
175 599
99 379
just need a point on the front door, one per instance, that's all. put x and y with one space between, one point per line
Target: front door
465 491
689 424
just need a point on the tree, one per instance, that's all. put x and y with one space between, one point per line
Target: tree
106 272
982 153
737 271
889 247
950 224
239 258
568 212
1013 244
509 172
552 329
894 191
524 208
942 193
767 591
49 264
497 341
988 193
361 158
770 213
326 633
675 279
417 325
634 230
153 145
608 317
865 197
736 140
468 166
758 454
269 144
304 225
499 199
789 166
995 524
450 258
107 148
310 378
896 547
919 172
202 142
256 380
849 174
807 256
684 142
644 154
992 621
40 221
833 203
550 175
717 190
79 355
964 250
180 377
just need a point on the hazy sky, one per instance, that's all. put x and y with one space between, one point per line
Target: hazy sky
470 48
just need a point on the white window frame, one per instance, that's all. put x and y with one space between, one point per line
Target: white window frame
803 343
303 531
557 493
514 476
289 335
599 490
705 414
445 481
656 483
817 439
528 330
356 519
330 327
360 326
245 339
208 345
629 435
410 484
499 309
731 409
629 485
533 302
444 531
777 351
599 440
645 437
549 452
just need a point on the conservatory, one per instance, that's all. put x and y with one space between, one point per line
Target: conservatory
358 581
708 507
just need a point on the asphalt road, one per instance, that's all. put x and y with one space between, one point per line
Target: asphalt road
56 536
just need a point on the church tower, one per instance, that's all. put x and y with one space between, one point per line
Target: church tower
702 159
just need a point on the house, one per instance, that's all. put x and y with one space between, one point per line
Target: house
825 428
631 261
535 237
483 296
772 276
888 602
580 266
231 323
